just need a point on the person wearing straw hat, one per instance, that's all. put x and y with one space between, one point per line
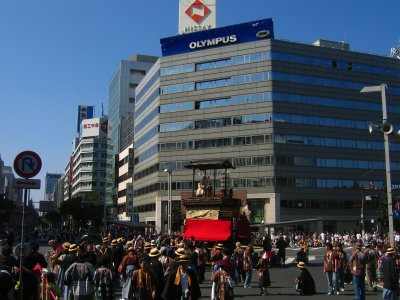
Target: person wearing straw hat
117 254
182 284
305 284
61 265
390 275
216 255
142 284
158 272
129 264
70 258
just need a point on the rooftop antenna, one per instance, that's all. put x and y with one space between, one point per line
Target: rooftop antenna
102 110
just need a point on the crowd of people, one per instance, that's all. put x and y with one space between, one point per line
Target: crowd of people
160 267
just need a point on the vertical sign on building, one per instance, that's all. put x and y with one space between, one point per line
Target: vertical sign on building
196 15
129 199
84 112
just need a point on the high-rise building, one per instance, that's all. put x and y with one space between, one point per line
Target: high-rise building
288 115
86 171
50 184
121 102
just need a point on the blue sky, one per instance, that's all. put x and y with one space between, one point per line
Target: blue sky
58 54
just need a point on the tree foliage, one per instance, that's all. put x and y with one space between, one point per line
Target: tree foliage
84 209
382 213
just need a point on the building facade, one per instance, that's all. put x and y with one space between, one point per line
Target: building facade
50 182
288 115
86 171
121 102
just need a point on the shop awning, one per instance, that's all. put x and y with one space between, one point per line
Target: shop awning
208 230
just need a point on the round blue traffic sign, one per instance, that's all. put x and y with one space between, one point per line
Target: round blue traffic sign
27 164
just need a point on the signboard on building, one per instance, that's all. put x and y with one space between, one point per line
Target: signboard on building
96 127
218 37
196 15
129 199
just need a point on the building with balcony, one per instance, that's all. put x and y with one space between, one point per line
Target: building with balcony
86 171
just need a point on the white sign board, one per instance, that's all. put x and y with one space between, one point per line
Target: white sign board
96 127
20 183
196 15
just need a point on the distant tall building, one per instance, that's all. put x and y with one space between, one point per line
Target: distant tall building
121 102
50 183
10 193
59 192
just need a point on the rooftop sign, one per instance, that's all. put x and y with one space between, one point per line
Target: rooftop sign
224 36
196 15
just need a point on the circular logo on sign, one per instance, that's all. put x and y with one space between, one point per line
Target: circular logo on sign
104 126
27 164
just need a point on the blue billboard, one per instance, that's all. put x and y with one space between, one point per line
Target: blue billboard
224 36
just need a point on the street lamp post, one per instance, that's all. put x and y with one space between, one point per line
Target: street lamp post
169 206
382 88
362 201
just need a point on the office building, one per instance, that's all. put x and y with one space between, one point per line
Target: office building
121 102
86 170
288 115
50 182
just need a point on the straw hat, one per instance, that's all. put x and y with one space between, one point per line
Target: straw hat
180 251
184 258
219 246
129 244
73 247
154 252
106 239
66 245
390 250
114 242
131 249
147 245
301 265
121 240
84 237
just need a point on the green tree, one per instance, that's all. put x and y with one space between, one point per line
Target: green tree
53 217
84 209
382 211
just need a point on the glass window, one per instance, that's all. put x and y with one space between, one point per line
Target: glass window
176 69
177 88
